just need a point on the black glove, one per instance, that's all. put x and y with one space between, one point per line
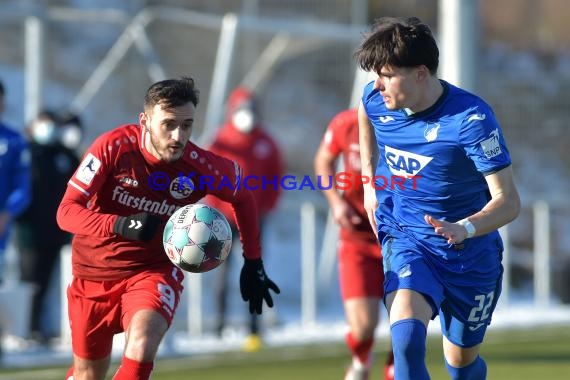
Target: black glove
254 285
141 226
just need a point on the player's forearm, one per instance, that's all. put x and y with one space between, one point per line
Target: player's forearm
247 220
504 205
501 210
325 171
74 217
367 144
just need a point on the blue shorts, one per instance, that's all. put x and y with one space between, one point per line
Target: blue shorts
464 296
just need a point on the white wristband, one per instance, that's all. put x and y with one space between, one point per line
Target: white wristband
468 226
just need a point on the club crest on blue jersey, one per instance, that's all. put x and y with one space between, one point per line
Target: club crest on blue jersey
491 146
431 131
405 164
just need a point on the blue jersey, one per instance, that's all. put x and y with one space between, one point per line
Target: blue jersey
14 175
434 162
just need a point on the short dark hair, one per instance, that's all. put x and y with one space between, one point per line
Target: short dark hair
171 93
398 42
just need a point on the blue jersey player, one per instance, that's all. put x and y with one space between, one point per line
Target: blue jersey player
443 186
14 179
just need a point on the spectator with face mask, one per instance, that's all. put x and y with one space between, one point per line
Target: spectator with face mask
71 131
39 244
244 140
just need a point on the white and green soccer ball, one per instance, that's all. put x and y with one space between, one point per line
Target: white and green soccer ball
197 238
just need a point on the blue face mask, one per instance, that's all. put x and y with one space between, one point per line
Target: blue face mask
44 132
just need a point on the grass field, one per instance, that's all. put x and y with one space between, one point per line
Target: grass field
535 353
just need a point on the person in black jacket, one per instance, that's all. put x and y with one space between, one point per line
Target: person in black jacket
38 238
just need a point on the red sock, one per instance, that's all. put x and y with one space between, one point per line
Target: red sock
133 370
69 374
360 349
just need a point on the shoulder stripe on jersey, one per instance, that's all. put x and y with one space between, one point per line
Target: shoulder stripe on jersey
79 188
238 174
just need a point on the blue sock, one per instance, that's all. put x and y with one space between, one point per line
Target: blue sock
474 371
409 346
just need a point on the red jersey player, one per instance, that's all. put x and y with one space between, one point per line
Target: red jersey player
360 259
116 204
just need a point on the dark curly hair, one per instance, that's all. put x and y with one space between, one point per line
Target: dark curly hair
171 93
398 42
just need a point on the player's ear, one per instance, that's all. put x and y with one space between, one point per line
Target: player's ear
422 73
144 120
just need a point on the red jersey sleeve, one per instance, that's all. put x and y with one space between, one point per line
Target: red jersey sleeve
335 133
74 214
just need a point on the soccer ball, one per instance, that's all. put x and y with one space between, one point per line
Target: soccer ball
197 238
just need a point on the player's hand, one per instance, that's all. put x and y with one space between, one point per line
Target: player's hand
345 216
254 285
141 226
453 232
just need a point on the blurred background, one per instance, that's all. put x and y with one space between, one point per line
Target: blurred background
97 58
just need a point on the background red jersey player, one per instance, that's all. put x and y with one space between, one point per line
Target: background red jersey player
116 204
360 260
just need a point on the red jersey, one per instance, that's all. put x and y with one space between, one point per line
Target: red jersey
258 156
341 137
119 177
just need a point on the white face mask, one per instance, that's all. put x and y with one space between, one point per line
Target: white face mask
244 120
44 132
70 136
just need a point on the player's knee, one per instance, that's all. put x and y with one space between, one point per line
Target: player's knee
364 331
88 372
460 357
142 349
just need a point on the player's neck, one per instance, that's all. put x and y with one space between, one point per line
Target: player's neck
431 94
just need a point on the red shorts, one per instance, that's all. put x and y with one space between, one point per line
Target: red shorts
360 269
100 309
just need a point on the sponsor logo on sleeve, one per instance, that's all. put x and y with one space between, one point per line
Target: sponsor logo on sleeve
491 146
88 168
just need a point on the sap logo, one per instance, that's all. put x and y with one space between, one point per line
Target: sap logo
404 163
491 146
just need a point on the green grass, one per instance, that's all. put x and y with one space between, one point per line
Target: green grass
533 353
